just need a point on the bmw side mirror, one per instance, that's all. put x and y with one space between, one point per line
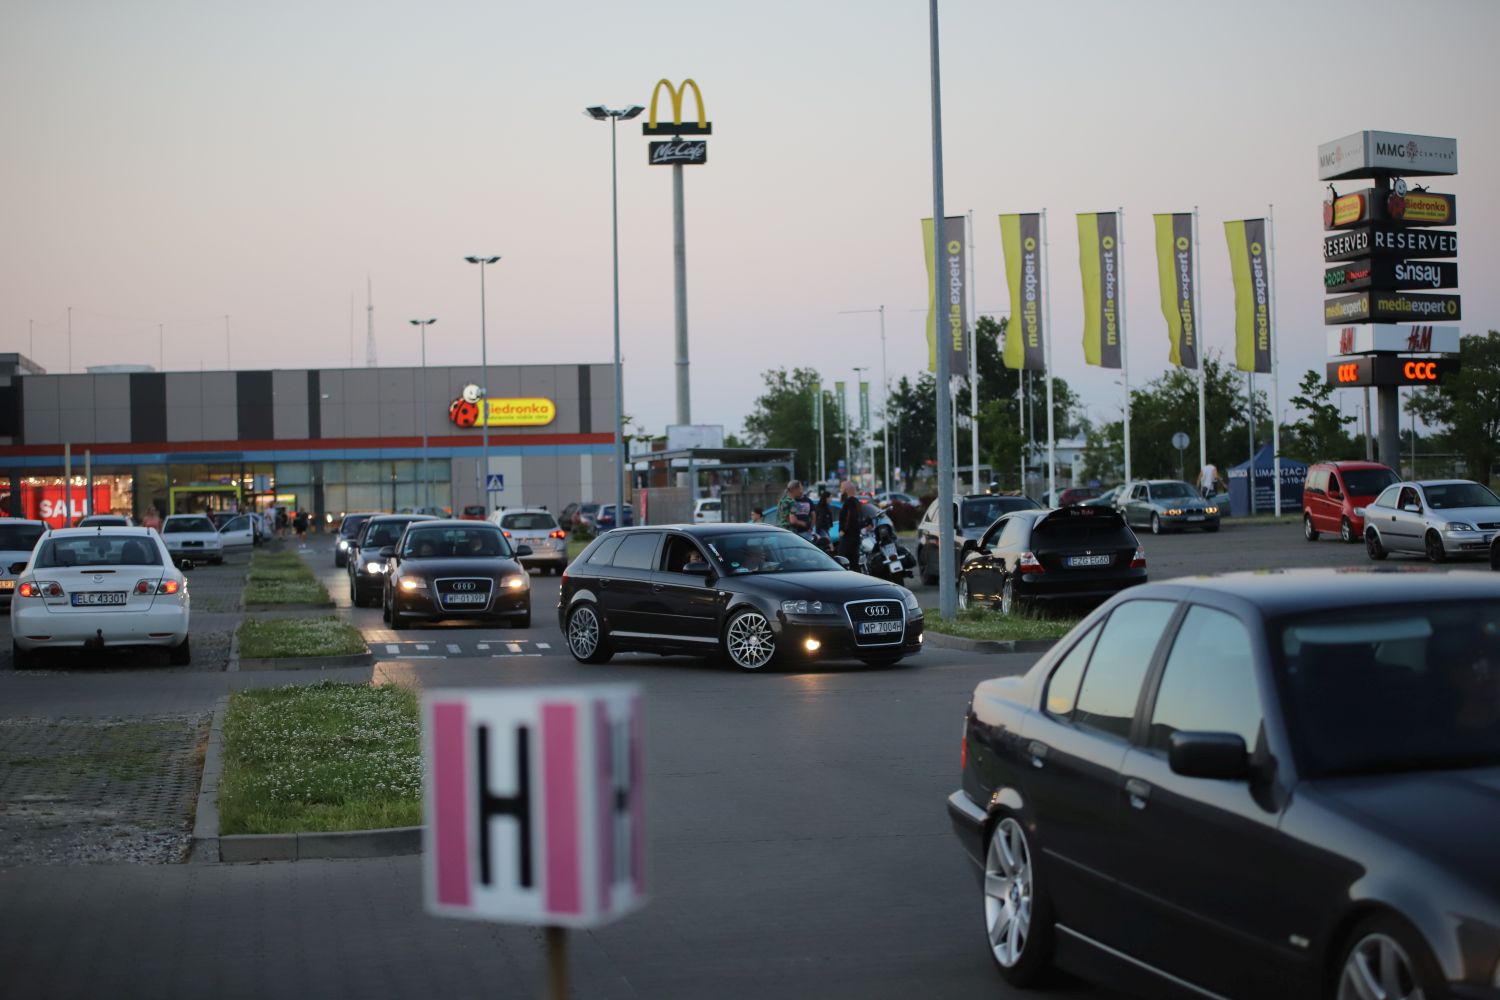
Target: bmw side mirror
1209 755
523 550
17 568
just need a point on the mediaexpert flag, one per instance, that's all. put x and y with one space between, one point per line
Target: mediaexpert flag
1252 294
954 308
817 406
838 409
1021 236
1099 259
864 406
1174 260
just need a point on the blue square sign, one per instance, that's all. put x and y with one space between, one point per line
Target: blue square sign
495 482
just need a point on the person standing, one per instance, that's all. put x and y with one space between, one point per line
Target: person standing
850 518
794 513
823 513
300 523
1208 479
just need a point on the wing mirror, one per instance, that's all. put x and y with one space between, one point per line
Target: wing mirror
17 568
389 552
523 550
842 561
1209 755
1412 508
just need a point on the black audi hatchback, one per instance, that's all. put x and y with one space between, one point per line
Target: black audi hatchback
445 570
753 594
1073 555
1281 784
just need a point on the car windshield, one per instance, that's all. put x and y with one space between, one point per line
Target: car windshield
1174 491
98 550
19 537
1414 687
352 524
179 525
454 543
985 511
770 551
527 522
1367 482
1453 496
383 533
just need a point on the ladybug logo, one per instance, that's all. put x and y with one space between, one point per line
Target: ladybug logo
1395 203
464 411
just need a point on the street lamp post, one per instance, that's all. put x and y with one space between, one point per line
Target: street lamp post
599 112
859 377
484 387
423 324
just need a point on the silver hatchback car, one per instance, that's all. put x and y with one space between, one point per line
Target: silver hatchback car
1439 518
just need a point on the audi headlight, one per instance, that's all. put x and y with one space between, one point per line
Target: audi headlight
802 607
374 567
410 583
343 544
910 600
1459 526
520 582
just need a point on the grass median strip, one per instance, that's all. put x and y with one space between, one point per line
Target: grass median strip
322 758
280 637
979 623
282 578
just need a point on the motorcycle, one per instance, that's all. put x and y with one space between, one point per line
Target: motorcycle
881 555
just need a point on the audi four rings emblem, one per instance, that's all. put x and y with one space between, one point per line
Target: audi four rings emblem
466 585
877 610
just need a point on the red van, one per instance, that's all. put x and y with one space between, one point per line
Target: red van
1334 491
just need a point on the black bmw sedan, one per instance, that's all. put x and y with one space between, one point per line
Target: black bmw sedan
753 594
1283 784
1072 554
455 570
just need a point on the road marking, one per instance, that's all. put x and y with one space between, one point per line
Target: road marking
514 647
392 648
511 656
423 646
544 645
484 646
453 648
418 656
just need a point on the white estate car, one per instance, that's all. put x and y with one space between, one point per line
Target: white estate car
192 536
537 528
94 587
17 539
708 511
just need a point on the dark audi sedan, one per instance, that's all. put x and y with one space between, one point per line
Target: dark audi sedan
753 594
367 567
1074 555
455 570
1282 784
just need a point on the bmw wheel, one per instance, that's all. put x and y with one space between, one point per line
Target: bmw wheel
1008 597
586 639
1373 548
1017 919
1155 525
1433 543
748 640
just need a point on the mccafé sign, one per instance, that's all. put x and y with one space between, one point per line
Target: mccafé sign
470 410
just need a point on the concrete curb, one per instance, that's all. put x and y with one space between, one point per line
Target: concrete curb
205 846
307 662
233 665
945 641
307 846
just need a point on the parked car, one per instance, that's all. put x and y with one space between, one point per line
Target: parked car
1073 555
439 570
471 512
753 594
568 516
973 514
1256 785
707 510
1076 495
1438 518
348 530
588 515
1166 504
1105 499
366 567
17 538
606 519
192 536
91 588
539 532
238 531
1336 492
897 497
106 521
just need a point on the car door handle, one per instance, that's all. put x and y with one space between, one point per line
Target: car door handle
657 588
1038 753
1139 791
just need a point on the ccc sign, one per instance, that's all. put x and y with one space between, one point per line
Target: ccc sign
1348 373
1420 371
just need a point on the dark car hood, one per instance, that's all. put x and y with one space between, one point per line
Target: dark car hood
843 585
1449 817
460 567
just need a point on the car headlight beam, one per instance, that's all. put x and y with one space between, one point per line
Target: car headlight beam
520 582
374 567
410 583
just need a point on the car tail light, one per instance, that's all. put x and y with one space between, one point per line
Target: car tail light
963 752
1138 561
158 587
1028 564
504 532
145 587
559 533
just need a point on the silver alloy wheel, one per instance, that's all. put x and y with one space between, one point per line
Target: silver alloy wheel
583 632
1307 528
749 641
1346 530
1008 893
963 594
1008 597
1155 525
1378 968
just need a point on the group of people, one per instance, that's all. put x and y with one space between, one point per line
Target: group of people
797 512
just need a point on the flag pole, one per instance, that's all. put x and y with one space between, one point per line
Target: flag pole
1124 344
1202 352
1047 346
1276 360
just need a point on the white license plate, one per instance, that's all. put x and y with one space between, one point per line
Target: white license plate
7 585
1090 560
1195 517
879 628
465 598
90 598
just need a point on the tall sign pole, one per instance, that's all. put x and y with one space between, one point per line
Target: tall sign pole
1202 351
678 152
1124 344
947 582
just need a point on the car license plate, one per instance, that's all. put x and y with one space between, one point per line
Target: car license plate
1195 517
466 598
89 598
1090 560
879 628
7 585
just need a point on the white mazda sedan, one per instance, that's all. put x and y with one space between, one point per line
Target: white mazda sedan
88 588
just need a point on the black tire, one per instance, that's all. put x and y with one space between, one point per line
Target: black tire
963 593
400 621
1155 525
181 654
22 659
589 643
748 641
1433 544
928 579
1373 548
1029 962
385 612
1308 531
1346 532
216 561
1414 970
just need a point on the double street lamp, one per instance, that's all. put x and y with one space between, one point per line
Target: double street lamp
600 113
484 388
426 479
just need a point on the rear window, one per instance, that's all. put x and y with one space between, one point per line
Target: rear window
19 537
1082 524
528 522
985 511
179 525
98 550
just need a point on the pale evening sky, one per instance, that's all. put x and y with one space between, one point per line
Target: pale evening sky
176 162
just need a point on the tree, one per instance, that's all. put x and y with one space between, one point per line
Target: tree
1467 404
783 417
1320 434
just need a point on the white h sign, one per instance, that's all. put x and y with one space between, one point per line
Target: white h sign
534 804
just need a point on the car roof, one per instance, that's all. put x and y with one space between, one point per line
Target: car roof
697 529
1290 591
1352 464
1424 483
452 522
403 517
186 514
521 510
22 520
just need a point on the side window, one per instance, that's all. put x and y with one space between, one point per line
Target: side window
1014 533
604 553
1209 682
677 552
992 535
1315 481
1332 485
637 551
1062 686
1386 499
1112 685
1408 497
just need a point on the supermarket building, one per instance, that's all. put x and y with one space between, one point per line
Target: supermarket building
326 440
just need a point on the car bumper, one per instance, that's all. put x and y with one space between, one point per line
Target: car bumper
1467 543
551 557
166 626
835 639
504 605
968 825
1189 520
1050 586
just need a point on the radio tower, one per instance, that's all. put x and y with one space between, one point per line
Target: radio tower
369 324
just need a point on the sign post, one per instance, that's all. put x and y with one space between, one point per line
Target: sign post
1180 441
534 808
